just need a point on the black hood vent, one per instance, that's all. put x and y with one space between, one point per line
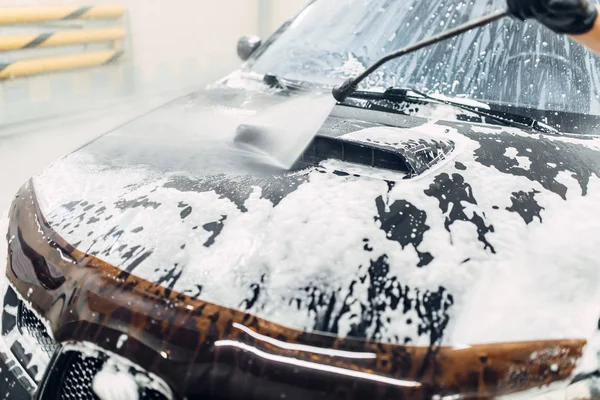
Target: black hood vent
411 156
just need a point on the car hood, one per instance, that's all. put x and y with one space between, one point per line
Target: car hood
495 242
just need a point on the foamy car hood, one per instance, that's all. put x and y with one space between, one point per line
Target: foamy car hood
498 243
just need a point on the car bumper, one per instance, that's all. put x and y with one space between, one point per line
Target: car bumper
39 361
34 365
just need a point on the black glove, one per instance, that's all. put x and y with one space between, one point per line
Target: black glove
572 17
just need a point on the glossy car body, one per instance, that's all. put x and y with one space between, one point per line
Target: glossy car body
417 250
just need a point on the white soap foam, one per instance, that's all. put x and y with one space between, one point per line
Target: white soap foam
115 385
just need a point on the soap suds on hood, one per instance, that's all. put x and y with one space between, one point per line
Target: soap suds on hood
322 245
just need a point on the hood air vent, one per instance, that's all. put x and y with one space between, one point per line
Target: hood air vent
412 156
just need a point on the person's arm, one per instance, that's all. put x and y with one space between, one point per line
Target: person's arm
591 39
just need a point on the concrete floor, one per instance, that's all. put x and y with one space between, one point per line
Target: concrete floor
25 149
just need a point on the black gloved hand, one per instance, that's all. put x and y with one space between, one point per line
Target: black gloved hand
572 17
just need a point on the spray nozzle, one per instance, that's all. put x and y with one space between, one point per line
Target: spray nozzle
344 90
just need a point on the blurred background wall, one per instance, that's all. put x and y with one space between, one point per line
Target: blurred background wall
170 45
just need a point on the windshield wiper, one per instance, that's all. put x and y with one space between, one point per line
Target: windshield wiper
290 85
504 118
278 83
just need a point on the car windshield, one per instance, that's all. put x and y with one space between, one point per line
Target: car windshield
506 62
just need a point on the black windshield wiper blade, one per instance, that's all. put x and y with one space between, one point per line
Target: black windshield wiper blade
289 85
504 118
278 83
515 120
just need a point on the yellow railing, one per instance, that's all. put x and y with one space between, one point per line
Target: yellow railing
16 42
28 15
35 66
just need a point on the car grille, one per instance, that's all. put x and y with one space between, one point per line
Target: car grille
78 377
78 372
31 324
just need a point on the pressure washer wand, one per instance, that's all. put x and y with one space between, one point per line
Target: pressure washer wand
351 85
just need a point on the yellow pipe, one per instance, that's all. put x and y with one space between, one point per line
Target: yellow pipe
26 15
16 42
52 64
